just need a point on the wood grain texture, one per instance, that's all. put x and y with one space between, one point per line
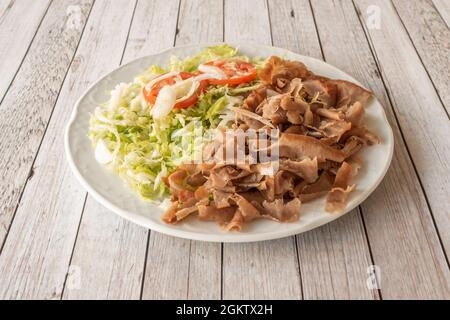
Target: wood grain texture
399 224
200 21
197 274
247 21
325 253
14 44
182 269
28 105
36 255
167 270
293 27
431 38
420 113
334 260
263 270
108 258
50 253
205 271
103 279
150 18
443 6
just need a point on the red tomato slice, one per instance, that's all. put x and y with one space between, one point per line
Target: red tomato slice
150 96
237 71
194 98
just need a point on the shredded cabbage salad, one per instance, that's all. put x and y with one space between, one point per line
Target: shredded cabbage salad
142 150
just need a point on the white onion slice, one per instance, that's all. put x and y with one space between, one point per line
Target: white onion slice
181 88
206 76
195 84
150 84
102 153
211 69
114 131
164 102
170 95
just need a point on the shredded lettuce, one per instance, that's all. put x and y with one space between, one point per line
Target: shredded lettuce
191 64
145 150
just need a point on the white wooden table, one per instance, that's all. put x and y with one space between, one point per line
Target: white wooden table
56 242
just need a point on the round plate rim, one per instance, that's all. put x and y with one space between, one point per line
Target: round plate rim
225 237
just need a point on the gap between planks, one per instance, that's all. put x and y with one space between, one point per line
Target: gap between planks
437 220
31 170
5 86
13 97
38 268
135 236
389 96
432 46
87 195
421 219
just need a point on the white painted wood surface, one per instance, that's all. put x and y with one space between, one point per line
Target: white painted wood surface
112 270
336 20
431 38
28 104
141 41
16 34
35 258
443 7
420 113
57 242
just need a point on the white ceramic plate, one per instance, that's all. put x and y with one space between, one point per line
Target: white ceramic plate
110 191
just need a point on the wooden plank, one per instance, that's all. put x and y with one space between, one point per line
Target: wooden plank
419 110
293 27
205 271
14 44
103 273
424 133
247 21
36 255
334 258
179 268
4 6
200 21
443 6
28 105
431 38
167 270
262 270
108 258
153 28
401 234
